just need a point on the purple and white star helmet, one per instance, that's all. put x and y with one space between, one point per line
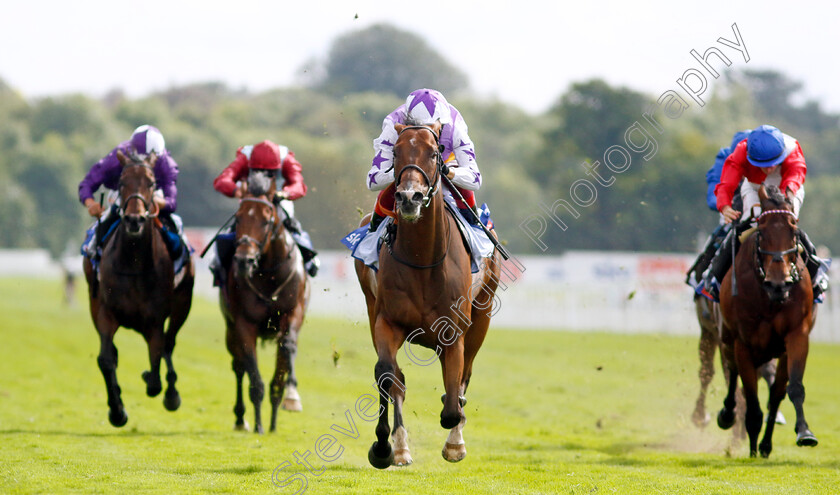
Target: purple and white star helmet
147 139
427 106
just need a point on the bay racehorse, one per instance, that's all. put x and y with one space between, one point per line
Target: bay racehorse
135 288
265 296
424 294
771 316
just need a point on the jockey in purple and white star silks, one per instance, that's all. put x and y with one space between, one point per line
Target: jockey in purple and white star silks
424 106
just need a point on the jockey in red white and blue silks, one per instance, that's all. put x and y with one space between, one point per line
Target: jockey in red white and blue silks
425 106
767 157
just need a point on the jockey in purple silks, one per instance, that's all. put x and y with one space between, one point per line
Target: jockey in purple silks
106 173
424 106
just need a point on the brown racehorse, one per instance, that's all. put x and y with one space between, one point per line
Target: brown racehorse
266 295
770 317
135 288
424 293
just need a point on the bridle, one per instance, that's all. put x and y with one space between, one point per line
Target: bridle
777 256
434 188
434 184
270 235
147 204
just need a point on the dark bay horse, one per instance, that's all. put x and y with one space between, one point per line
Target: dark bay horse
424 293
770 317
265 296
708 316
135 288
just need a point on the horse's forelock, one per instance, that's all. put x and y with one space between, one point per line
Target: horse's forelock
775 196
259 182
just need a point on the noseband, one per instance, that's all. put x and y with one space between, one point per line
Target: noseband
434 184
777 256
146 203
269 235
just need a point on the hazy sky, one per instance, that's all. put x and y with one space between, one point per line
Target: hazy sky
524 52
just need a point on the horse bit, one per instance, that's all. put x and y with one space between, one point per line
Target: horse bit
776 255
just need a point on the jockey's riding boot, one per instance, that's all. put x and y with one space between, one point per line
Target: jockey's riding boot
813 263
312 266
719 266
375 220
705 257
469 215
106 222
292 225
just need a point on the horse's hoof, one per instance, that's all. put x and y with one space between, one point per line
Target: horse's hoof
380 462
242 427
454 452
765 451
258 429
172 400
153 387
700 419
780 418
402 457
726 419
806 439
292 405
118 418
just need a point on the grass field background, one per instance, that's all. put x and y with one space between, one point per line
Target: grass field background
548 412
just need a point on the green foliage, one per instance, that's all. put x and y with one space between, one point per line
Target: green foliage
385 59
548 412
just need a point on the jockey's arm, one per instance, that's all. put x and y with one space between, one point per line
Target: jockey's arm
167 177
293 186
225 183
464 166
381 173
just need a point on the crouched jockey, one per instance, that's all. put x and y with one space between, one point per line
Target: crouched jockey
144 141
766 157
279 163
425 106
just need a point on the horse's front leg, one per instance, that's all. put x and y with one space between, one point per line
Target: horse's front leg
777 394
155 341
452 367
284 382
107 360
796 344
171 399
726 416
387 341
749 380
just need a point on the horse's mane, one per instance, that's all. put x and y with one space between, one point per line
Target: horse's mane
259 182
775 196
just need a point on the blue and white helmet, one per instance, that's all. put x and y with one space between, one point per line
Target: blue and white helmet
147 139
427 106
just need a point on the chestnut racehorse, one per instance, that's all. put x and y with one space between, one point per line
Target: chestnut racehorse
266 295
424 293
135 288
770 317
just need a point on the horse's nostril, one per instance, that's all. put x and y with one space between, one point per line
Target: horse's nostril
417 197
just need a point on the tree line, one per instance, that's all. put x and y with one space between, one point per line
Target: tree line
528 161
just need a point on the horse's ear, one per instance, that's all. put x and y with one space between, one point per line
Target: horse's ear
436 127
399 128
789 196
121 157
762 193
152 159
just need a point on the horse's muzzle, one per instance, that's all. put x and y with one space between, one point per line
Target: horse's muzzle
244 265
778 292
408 204
134 224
